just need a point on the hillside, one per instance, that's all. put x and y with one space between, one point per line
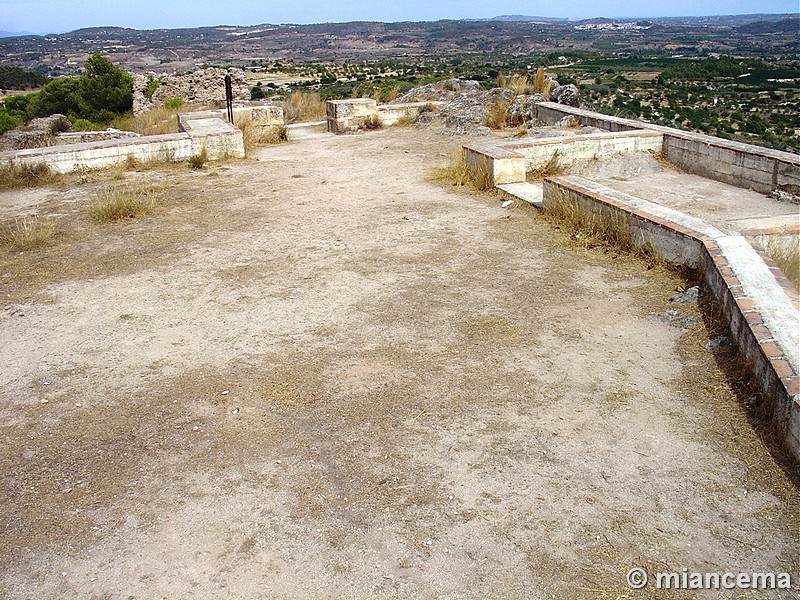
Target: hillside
173 50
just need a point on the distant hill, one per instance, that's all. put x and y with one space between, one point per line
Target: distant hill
729 20
784 26
6 34
497 39
526 19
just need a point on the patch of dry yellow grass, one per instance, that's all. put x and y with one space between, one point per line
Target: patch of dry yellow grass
28 233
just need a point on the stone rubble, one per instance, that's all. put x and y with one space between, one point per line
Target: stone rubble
37 133
468 104
205 87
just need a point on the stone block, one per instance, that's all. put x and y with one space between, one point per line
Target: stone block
350 115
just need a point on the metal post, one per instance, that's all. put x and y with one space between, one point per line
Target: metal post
229 97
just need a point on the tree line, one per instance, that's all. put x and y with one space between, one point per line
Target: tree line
101 93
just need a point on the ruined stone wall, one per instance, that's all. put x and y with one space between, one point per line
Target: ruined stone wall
204 87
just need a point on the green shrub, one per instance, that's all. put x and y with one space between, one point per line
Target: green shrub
198 161
174 102
152 86
8 121
103 92
85 125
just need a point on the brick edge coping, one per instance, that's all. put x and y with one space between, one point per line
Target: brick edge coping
767 359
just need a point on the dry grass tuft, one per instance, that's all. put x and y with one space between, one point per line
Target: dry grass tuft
516 83
198 161
787 256
460 173
592 229
382 94
158 121
372 122
255 136
551 168
498 114
541 84
22 176
28 233
303 106
125 202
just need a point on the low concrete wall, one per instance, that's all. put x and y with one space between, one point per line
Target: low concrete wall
551 113
495 162
391 114
583 148
755 296
673 235
346 116
743 165
204 130
208 131
507 162
98 155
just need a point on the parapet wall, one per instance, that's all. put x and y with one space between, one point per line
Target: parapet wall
742 165
508 162
581 148
199 131
354 114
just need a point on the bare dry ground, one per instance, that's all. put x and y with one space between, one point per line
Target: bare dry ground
320 375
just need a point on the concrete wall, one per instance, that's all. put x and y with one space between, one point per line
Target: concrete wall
507 162
98 155
346 116
647 222
583 148
205 130
551 113
350 115
743 165
493 161
391 114
208 131
755 296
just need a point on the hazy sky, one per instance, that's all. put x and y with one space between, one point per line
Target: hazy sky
52 16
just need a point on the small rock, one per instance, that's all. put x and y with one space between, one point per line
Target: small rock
226 392
718 343
566 94
690 296
195 428
670 316
234 411
568 121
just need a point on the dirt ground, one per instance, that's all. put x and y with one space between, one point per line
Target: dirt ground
320 375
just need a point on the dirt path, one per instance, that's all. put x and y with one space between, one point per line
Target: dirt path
320 375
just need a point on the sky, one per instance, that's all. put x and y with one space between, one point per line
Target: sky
57 16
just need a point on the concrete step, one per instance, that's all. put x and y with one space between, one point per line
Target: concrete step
527 192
